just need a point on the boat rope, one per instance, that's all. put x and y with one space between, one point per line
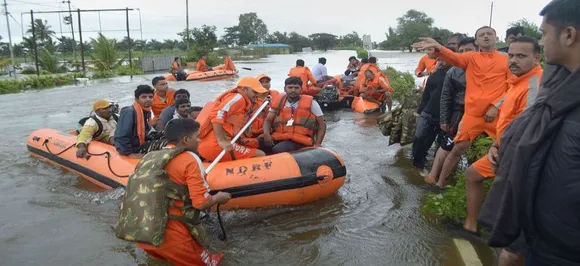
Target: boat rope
223 235
108 156
45 144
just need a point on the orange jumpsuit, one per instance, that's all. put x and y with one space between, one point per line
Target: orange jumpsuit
159 104
486 75
360 79
305 75
179 247
522 93
202 66
426 64
232 112
257 126
229 64
380 81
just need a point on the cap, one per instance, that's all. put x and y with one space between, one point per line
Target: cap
100 104
261 76
253 83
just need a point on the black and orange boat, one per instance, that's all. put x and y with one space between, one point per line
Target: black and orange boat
283 179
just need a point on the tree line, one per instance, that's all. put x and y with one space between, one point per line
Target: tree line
250 30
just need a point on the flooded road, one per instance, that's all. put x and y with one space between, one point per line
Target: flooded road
51 217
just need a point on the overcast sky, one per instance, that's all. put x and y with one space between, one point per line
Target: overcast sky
163 19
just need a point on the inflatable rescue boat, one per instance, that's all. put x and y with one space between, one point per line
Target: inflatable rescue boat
282 179
205 76
363 106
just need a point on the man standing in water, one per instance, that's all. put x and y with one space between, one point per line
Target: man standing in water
163 199
536 191
486 74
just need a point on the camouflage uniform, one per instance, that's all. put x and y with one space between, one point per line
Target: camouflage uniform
149 192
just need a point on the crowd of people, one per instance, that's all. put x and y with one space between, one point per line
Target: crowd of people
472 88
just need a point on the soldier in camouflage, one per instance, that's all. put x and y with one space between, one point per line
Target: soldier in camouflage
161 206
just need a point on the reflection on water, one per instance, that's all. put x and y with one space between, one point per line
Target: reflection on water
51 217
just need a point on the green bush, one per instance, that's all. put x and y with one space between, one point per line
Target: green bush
403 83
35 82
103 74
126 70
362 53
28 71
451 204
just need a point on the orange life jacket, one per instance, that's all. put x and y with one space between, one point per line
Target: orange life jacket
233 123
302 73
304 126
256 127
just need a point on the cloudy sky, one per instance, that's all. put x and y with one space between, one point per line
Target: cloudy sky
163 19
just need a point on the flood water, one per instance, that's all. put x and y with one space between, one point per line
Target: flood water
51 217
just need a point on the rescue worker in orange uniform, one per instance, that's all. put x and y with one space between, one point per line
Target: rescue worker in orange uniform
177 70
486 74
295 121
163 97
202 65
229 115
179 247
258 124
376 88
305 75
371 65
524 63
427 64
229 64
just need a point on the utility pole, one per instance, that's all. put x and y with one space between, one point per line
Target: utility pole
187 26
9 40
72 30
100 28
491 14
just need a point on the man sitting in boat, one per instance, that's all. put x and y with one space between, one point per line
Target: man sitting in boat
257 126
305 75
372 66
202 66
228 116
133 126
100 127
169 112
163 96
297 120
175 174
377 88
177 70
229 64
353 67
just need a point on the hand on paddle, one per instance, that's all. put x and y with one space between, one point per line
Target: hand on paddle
222 197
227 146
427 43
491 114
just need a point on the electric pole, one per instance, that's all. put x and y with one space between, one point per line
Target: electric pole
491 14
9 40
72 30
187 26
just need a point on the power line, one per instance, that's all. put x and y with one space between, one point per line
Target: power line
31 3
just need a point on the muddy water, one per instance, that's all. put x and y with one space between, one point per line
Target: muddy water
50 217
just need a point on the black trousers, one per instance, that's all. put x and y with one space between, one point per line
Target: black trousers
427 129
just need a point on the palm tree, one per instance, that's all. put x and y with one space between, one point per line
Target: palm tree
42 31
47 61
105 53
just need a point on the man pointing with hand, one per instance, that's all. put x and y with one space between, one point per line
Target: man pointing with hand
486 75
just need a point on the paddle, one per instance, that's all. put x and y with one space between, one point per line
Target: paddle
221 155
223 237
246 68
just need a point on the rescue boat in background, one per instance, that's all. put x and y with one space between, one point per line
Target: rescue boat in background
295 178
